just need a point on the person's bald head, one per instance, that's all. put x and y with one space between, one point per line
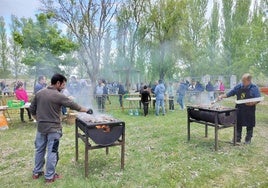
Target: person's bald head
246 79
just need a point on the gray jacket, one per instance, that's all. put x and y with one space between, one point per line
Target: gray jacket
46 106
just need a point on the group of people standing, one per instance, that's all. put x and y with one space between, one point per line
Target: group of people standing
159 90
195 88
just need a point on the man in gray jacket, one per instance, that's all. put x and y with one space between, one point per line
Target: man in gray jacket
46 109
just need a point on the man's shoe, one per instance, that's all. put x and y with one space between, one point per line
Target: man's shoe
38 175
56 176
248 142
49 180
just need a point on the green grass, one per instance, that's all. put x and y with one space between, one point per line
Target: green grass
157 155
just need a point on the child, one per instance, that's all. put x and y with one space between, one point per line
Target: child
22 95
145 98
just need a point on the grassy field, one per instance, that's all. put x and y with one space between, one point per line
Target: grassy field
157 155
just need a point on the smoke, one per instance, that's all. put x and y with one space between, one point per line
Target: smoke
80 90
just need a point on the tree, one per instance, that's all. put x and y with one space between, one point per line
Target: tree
192 39
245 38
43 44
131 32
16 52
166 20
88 21
257 44
213 42
235 34
107 63
4 72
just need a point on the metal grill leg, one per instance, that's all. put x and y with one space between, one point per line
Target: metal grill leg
235 131
107 150
76 143
216 131
86 157
206 131
188 126
216 137
123 151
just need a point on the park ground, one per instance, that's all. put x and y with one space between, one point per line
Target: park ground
157 155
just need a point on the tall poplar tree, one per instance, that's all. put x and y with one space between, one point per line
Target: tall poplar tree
4 62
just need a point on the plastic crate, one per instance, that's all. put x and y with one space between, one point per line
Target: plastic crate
15 103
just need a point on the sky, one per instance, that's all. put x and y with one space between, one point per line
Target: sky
20 8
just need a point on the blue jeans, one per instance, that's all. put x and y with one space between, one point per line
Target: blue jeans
180 101
158 103
49 141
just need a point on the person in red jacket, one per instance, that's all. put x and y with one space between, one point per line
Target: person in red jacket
21 95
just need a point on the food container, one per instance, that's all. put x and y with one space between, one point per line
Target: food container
15 103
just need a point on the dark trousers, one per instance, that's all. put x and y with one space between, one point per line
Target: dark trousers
121 100
22 113
101 103
145 108
249 133
154 101
171 103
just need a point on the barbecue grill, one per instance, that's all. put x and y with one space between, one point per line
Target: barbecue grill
217 117
103 130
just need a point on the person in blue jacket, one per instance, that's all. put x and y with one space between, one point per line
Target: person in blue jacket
181 93
199 87
160 97
245 112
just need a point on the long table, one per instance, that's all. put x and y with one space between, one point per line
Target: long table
6 108
133 102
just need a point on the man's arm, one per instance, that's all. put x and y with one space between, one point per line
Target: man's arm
230 93
222 96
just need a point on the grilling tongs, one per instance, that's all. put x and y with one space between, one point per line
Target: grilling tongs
215 101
